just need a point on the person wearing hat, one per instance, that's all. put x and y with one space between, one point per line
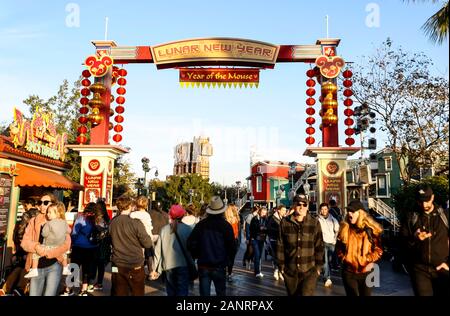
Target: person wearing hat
171 255
212 243
358 246
300 251
426 237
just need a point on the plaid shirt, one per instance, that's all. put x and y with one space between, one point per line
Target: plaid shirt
300 245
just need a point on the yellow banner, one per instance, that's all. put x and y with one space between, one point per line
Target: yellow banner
220 49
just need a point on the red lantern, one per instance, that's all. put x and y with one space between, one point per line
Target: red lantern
348 102
310 140
349 131
86 82
348 83
310 120
349 122
82 129
348 112
81 139
122 81
120 109
349 141
310 130
120 100
310 111
311 73
86 73
119 119
84 110
122 73
310 92
348 74
348 93
84 101
85 92
83 119
121 90
117 138
118 128
310 101
310 83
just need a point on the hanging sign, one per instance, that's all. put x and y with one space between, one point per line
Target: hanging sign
215 49
219 76
39 135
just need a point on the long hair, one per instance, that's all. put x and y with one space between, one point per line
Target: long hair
364 222
101 212
231 214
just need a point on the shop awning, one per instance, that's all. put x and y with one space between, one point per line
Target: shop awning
30 176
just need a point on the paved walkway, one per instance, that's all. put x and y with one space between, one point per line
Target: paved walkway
246 284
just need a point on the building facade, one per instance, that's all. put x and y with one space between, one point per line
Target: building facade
193 158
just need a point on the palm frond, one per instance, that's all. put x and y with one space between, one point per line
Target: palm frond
436 27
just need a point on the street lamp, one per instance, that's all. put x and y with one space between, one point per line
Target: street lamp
145 166
191 194
238 185
292 170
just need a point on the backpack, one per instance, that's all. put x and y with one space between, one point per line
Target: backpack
98 234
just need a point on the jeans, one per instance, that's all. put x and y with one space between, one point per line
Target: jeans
427 281
48 277
329 250
273 248
177 281
355 283
258 246
301 283
216 275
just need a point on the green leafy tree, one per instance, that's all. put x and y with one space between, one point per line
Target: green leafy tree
124 178
411 104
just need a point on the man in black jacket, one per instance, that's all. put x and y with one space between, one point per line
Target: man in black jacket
427 242
300 251
273 231
212 243
129 238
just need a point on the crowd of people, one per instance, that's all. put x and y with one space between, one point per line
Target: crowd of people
184 244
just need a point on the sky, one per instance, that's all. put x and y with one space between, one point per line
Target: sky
44 42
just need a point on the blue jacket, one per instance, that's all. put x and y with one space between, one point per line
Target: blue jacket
82 230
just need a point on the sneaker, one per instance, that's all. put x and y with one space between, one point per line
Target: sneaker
68 293
98 287
33 273
280 276
66 271
90 288
260 275
328 283
83 293
276 274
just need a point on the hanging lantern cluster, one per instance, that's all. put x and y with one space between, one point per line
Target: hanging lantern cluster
329 104
96 103
348 112
120 109
310 111
84 110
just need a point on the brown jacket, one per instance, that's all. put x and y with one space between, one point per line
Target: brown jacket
358 247
31 240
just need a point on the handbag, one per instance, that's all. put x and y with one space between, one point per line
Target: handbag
193 272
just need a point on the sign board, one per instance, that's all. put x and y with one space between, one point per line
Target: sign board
215 49
5 201
39 135
208 76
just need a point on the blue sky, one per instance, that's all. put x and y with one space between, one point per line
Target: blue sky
38 50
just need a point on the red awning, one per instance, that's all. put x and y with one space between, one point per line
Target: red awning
30 176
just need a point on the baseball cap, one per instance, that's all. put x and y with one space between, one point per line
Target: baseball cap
300 198
424 193
355 205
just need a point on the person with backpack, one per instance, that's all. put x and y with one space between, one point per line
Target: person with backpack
103 256
426 238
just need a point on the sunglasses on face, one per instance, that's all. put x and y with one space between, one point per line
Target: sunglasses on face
303 204
43 202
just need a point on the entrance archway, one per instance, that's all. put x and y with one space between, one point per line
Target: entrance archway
246 57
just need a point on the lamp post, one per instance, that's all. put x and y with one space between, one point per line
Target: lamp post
292 170
238 185
191 194
145 161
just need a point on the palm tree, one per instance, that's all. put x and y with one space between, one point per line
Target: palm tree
436 27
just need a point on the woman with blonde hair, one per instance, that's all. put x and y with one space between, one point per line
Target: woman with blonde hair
232 217
358 247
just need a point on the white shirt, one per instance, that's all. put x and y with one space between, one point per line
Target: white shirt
145 218
330 228
190 220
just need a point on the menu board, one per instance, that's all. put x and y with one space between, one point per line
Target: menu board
5 195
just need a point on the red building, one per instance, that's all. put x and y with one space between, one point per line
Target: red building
272 180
